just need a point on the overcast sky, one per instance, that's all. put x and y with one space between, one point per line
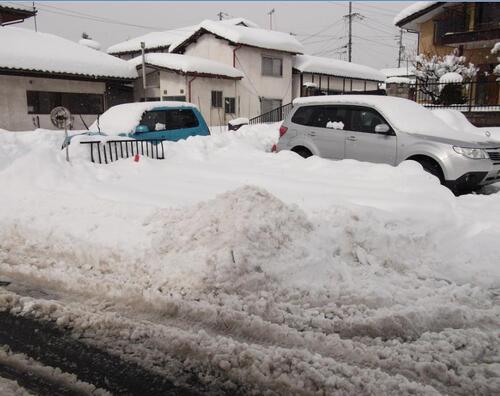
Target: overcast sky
320 26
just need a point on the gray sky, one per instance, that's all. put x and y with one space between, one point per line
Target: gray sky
320 26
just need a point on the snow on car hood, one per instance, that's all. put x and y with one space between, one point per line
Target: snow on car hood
403 114
125 117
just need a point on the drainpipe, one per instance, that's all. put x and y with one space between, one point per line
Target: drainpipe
234 54
143 46
189 88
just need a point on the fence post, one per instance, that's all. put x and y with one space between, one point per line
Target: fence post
470 96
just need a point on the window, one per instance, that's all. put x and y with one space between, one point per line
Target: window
229 105
42 102
216 98
165 120
266 105
272 66
365 120
322 117
174 98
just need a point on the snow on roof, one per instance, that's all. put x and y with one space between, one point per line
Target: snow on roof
398 80
398 71
17 7
153 40
90 43
188 64
125 117
166 38
335 67
261 38
43 52
413 11
403 114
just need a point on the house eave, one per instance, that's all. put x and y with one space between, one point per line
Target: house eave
193 74
61 75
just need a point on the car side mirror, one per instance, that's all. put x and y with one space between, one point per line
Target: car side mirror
382 128
141 128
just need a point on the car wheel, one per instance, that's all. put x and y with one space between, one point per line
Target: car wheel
302 151
432 167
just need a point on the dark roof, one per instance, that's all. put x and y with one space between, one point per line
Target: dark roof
418 14
10 14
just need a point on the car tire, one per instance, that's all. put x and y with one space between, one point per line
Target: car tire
432 167
302 151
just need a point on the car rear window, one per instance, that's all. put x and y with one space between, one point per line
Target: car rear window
322 116
165 120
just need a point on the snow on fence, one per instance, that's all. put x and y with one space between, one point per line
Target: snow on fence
275 115
463 96
113 150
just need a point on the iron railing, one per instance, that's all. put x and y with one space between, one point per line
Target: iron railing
275 115
467 96
113 150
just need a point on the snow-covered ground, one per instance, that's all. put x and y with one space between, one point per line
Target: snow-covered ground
257 270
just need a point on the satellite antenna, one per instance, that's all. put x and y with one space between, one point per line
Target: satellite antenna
61 118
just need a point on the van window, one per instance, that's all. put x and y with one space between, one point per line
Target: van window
322 117
365 120
165 120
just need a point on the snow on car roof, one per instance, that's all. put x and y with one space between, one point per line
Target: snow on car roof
335 67
414 10
188 64
237 34
125 117
165 38
43 52
403 114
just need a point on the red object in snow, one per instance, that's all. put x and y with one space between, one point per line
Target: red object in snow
273 149
136 158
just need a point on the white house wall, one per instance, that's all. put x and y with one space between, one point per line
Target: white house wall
14 106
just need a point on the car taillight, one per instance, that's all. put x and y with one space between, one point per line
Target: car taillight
283 130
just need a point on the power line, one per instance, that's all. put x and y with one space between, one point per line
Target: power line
350 17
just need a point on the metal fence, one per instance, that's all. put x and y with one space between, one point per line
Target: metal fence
275 115
104 152
467 96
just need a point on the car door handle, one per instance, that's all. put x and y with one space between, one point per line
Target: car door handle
351 138
312 133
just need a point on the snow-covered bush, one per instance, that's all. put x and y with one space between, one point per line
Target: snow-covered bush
496 50
430 70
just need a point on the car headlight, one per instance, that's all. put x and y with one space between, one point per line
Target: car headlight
472 153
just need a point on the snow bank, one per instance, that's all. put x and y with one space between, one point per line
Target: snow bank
125 117
261 38
188 64
256 271
90 43
399 71
29 50
335 67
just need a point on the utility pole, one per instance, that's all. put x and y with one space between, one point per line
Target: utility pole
401 47
270 13
350 17
34 17
221 15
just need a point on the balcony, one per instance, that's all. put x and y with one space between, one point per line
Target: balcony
454 31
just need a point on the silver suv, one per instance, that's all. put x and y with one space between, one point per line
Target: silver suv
389 130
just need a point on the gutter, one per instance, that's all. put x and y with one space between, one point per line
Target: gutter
234 55
189 88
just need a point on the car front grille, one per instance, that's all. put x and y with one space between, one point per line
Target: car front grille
494 155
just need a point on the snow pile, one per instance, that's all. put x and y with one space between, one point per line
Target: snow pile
260 38
335 67
188 64
451 78
257 272
239 121
457 120
399 71
29 50
496 50
125 117
90 43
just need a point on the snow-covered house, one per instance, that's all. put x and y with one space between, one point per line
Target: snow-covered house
15 13
314 75
40 71
263 56
211 85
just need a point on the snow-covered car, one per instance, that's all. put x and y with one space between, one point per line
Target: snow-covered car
171 121
390 130
457 120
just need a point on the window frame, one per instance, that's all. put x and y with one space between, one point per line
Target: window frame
367 108
231 105
35 99
273 58
217 100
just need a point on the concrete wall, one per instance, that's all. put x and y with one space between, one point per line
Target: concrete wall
14 106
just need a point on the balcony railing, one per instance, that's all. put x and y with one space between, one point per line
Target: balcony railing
468 96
